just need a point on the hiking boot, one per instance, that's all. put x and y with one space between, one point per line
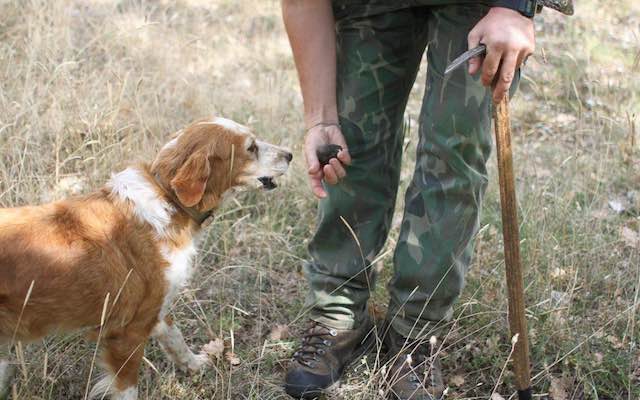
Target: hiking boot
322 357
415 372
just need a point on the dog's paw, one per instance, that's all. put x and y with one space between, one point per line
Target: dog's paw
198 361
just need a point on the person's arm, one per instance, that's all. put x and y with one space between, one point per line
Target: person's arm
311 30
510 39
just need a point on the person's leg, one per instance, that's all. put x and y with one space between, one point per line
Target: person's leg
444 198
442 206
378 58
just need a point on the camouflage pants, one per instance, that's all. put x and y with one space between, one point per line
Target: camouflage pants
379 52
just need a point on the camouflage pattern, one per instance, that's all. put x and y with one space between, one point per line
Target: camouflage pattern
372 7
564 6
378 58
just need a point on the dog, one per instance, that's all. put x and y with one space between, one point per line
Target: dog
113 261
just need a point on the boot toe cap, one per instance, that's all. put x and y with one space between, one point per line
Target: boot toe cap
303 384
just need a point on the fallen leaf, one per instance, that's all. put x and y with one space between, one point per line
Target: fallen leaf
457 380
232 358
279 332
214 348
557 390
630 237
496 396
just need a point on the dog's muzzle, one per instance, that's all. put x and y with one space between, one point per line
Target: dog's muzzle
267 182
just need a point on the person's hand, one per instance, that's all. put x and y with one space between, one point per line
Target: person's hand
332 172
510 39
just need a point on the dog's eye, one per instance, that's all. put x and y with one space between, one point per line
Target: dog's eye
253 148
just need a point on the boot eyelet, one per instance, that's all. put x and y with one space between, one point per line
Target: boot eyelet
333 332
327 343
321 352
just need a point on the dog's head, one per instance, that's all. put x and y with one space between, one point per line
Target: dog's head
208 158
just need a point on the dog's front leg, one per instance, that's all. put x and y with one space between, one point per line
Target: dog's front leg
7 371
173 344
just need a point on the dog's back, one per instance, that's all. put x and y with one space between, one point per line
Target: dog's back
70 254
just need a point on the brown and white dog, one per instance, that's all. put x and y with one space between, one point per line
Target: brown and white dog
114 260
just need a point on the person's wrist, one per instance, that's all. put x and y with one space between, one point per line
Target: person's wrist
526 8
323 124
327 115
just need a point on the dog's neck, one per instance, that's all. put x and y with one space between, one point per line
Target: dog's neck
152 202
202 219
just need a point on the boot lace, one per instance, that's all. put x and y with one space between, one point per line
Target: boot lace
314 343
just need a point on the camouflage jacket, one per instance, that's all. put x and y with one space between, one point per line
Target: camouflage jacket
564 6
380 6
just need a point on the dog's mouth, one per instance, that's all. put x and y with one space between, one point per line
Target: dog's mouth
267 182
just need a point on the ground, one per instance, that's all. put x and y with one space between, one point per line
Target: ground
90 86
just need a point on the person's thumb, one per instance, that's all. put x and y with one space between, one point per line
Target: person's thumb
343 155
313 165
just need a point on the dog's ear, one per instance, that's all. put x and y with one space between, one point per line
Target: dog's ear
191 179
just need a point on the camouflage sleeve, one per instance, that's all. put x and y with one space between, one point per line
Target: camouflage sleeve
564 6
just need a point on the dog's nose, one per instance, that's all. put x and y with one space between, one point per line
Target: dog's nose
288 156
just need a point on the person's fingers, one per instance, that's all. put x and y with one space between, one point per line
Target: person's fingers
338 168
330 175
490 66
332 172
316 187
473 41
505 76
522 60
310 155
523 56
343 155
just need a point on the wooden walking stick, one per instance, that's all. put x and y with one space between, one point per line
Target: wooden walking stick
511 235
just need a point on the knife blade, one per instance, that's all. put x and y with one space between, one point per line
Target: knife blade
464 57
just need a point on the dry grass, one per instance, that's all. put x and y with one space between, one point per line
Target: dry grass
88 86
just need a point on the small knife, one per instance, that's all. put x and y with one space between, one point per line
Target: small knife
464 57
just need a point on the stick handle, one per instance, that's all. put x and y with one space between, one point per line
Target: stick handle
510 232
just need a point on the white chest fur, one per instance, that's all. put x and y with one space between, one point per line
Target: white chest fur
178 272
132 185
